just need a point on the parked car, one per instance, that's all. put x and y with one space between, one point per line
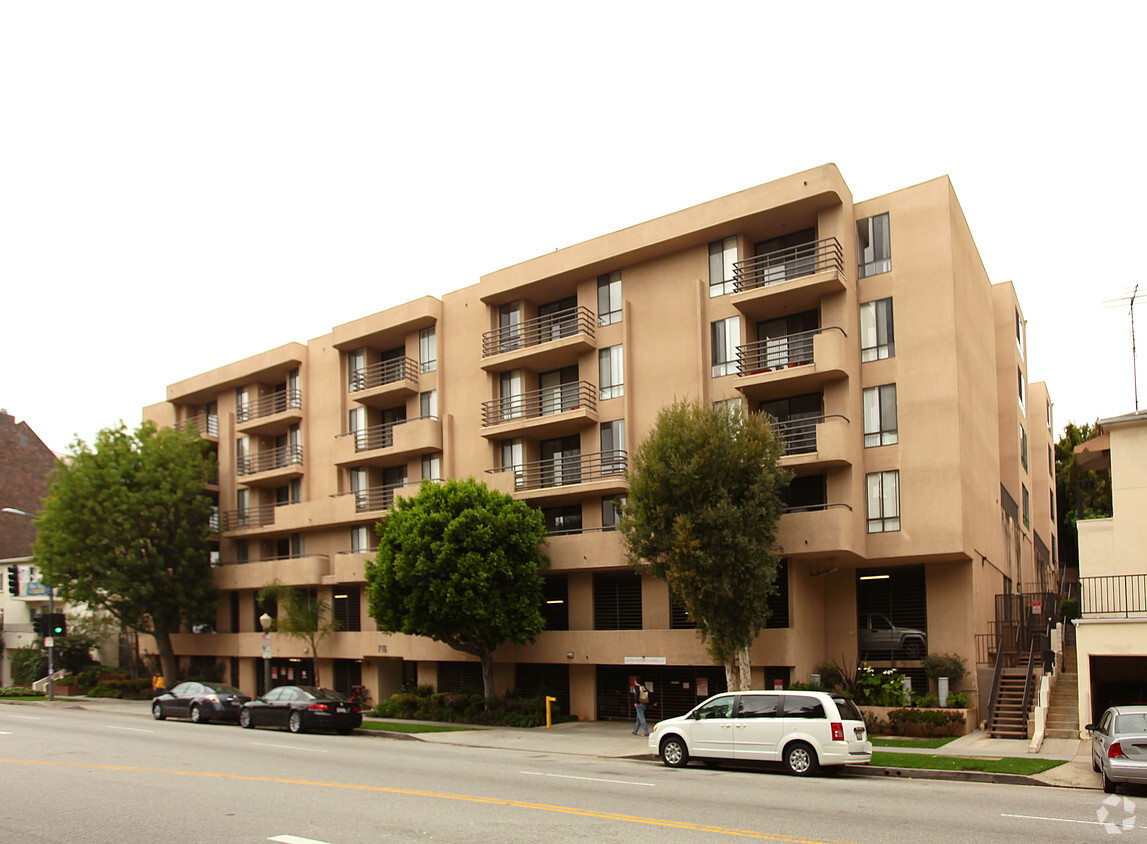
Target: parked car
877 633
300 708
1119 746
201 702
804 730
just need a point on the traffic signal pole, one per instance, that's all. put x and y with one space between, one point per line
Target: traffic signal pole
51 646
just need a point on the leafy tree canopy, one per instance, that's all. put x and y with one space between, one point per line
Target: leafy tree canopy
705 499
302 615
460 563
125 528
1079 493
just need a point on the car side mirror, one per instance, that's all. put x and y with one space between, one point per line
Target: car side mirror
1090 728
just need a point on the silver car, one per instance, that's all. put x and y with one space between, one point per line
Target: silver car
1119 746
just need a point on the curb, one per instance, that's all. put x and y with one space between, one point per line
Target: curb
933 774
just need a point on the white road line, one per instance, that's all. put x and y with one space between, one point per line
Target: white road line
588 779
1065 820
129 729
294 839
2 733
289 747
26 717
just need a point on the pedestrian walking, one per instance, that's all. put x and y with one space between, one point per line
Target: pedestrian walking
640 701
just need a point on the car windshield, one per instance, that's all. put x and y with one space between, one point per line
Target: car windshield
322 694
848 710
1131 723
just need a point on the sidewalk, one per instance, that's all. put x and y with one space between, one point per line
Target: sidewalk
614 739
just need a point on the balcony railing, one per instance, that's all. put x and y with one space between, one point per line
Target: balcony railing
392 371
381 497
777 352
567 469
537 403
379 436
544 329
787 264
265 461
798 436
269 405
258 515
205 423
1113 596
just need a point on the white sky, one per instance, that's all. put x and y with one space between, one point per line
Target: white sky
186 184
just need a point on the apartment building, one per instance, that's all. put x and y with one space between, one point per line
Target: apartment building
896 372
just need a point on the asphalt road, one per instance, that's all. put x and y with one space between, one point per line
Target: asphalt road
82 776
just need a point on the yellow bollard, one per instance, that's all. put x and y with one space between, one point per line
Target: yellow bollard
549 700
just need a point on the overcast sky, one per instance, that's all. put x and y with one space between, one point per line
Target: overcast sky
186 184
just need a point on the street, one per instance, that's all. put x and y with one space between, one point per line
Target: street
74 775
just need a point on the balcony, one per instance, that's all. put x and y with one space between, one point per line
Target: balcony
379 445
815 440
819 530
547 342
1114 596
270 414
591 548
598 473
290 571
795 363
380 498
385 382
551 412
261 515
206 424
800 275
271 466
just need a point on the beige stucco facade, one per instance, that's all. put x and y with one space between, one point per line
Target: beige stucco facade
761 296
1111 634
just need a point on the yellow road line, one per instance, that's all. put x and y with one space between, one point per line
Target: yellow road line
471 798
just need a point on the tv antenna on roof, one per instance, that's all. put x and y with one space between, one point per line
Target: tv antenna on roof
1112 303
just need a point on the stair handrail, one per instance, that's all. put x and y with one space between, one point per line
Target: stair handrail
1028 681
995 687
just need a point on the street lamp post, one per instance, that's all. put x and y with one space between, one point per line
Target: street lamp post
265 622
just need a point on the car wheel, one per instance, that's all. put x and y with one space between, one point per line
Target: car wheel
197 715
1094 765
674 753
800 759
295 723
245 719
1108 786
157 711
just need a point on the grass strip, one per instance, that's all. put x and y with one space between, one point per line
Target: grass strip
1007 765
924 743
401 727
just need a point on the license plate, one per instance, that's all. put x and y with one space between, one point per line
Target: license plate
859 732
340 709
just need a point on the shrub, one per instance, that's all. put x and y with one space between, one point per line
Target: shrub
958 700
19 691
874 723
831 676
879 688
29 664
924 699
944 665
925 722
1069 609
514 710
127 689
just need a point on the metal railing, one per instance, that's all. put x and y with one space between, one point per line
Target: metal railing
789 263
205 423
798 436
269 405
567 469
814 508
778 352
379 436
1113 595
536 403
381 497
392 371
258 515
543 329
275 458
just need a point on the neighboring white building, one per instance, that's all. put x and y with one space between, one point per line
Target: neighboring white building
1111 634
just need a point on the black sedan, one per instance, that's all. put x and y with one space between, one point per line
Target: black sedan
300 708
201 702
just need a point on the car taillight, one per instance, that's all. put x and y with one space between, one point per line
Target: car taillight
319 706
837 731
1115 751
212 698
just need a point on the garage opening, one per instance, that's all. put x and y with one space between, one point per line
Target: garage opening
1117 681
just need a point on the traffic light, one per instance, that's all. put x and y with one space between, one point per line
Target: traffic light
40 625
14 580
57 625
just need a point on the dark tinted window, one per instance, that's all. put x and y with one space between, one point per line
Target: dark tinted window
221 688
800 706
758 706
721 707
847 709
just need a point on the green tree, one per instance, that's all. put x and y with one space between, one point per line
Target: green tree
125 528
705 498
302 614
1079 493
460 563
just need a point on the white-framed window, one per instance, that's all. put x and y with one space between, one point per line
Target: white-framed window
873 246
880 427
356 426
355 364
613 447
609 298
510 392
877 335
428 404
611 511
242 455
734 407
1023 387
725 336
360 539
427 350
722 257
513 458
509 326
1019 332
432 467
883 501
358 486
1024 448
242 404
611 372
242 505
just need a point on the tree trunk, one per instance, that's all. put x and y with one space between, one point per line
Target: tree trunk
166 656
738 677
487 659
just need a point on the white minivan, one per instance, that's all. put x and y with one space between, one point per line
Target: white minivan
804 730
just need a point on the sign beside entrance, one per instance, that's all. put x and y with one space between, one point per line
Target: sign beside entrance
645 660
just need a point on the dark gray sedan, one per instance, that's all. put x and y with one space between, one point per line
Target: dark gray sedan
300 708
200 702
1119 746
